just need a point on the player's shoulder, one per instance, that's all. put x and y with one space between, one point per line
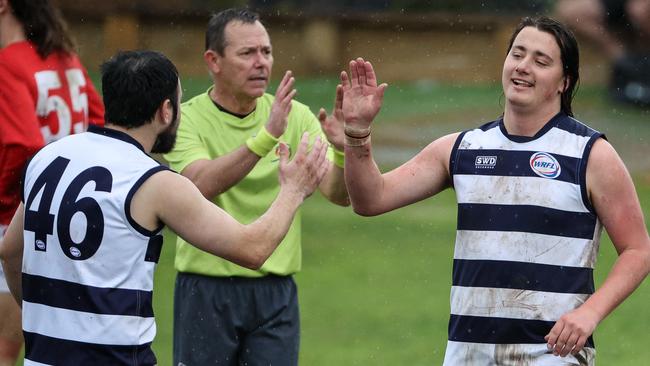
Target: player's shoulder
574 126
162 181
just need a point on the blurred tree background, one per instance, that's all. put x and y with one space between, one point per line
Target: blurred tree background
440 41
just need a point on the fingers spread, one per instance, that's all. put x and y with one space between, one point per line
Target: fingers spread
320 162
304 145
286 101
345 80
361 70
286 86
371 78
354 73
338 101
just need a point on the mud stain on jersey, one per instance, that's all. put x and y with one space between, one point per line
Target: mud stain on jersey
515 355
511 355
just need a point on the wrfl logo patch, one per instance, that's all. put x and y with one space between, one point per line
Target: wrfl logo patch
545 165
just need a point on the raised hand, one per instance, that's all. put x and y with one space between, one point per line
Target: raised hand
281 107
362 97
304 173
570 332
332 124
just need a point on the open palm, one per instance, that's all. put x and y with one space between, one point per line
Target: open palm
362 97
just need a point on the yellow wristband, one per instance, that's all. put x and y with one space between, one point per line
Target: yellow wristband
339 157
262 143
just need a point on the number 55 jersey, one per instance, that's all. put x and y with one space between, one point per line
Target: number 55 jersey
87 264
41 100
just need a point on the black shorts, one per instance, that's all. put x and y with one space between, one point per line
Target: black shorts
236 321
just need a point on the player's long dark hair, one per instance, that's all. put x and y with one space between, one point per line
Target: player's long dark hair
44 26
568 51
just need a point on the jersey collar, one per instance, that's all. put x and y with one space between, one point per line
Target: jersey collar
109 132
522 139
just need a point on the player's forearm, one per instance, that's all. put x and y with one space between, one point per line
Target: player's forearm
11 254
265 234
333 186
216 176
13 275
363 179
629 270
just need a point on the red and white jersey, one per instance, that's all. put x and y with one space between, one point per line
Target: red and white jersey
41 100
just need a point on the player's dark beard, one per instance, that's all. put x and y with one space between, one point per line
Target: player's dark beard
165 141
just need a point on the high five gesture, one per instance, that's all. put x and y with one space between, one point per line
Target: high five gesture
362 97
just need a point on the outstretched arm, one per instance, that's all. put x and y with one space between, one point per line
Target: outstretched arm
216 176
614 198
371 192
178 203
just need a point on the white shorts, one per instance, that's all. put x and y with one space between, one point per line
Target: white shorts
3 280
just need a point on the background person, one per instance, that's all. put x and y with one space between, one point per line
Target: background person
621 29
45 94
534 189
225 143
86 287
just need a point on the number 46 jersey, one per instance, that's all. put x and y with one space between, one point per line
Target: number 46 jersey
87 265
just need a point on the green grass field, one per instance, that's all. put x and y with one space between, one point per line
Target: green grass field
375 291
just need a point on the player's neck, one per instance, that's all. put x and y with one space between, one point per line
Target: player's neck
11 31
521 122
231 103
141 134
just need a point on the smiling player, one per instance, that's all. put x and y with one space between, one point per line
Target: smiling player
534 189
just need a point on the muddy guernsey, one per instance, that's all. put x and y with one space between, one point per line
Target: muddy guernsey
88 265
526 242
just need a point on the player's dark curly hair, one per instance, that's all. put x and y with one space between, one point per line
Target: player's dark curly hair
569 52
215 38
135 84
44 26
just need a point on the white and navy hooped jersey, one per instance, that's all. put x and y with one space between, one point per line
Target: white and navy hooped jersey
87 265
526 242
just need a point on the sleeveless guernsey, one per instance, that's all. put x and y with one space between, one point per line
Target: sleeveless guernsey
87 265
526 242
